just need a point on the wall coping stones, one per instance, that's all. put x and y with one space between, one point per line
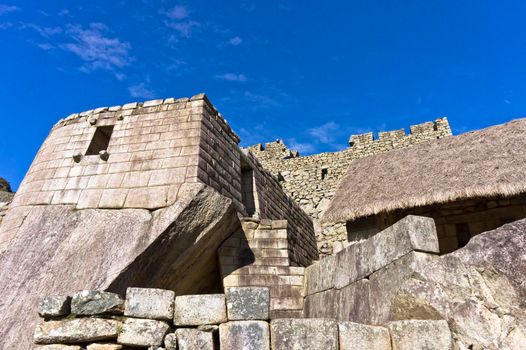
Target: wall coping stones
94 302
194 310
54 306
151 303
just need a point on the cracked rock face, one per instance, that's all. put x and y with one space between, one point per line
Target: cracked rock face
479 289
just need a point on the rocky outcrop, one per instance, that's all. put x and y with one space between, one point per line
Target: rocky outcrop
58 249
480 290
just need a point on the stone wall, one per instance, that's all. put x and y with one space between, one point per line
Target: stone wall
238 319
360 282
258 255
312 180
456 222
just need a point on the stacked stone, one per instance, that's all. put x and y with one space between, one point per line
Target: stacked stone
258 256
274 204
155 319
312 180
360 282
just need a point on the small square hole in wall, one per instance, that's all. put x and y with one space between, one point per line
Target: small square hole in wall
100 141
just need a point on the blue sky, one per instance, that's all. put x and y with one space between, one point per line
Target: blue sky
310 73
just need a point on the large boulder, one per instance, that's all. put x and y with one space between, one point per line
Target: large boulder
58 249
480 290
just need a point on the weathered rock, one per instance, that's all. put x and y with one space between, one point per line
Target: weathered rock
194 310
58 250
140 332
76 331
54 306
385 283
323 304
246 335
287 333
420 334
354 304
361 259
357 336
194 339
104 347
170 341
95 302
478 289
319 276
152 303
57 347
247 303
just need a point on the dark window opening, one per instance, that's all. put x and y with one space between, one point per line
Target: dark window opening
248 190
463 234
100 141
324 173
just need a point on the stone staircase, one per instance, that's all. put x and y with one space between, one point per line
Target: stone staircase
257 255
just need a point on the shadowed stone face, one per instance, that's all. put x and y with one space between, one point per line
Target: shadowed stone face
4 185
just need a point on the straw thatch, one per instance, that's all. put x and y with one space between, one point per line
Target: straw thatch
485 163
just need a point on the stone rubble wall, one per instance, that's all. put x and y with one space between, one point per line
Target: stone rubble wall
239 319
360 282
311 180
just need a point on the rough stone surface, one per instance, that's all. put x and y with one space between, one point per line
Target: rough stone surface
323 304
147 249
354 302
356 336
320 275
247 303
420 334
361 259
57 347
149 303
385 283
76 331
170 341
140 332
104 347
54 306
478 289
194 339
312 333
194 310
94 302
246 335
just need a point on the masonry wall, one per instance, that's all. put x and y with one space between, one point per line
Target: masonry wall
154 149
312 180
461 220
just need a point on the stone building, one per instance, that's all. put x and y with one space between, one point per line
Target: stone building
144 195
468 184
6 196
311 180
146 226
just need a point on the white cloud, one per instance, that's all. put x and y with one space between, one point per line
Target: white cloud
235 41
97 50
46 46
260 100
5 9
6 25
302 148
325 133
46 32
184 28
141 91
232 77
177 12
64 12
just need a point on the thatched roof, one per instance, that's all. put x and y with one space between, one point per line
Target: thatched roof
485 163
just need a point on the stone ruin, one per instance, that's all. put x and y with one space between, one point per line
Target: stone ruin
146 226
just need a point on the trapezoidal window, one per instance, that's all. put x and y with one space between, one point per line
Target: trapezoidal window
248 189
463 234
100 141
